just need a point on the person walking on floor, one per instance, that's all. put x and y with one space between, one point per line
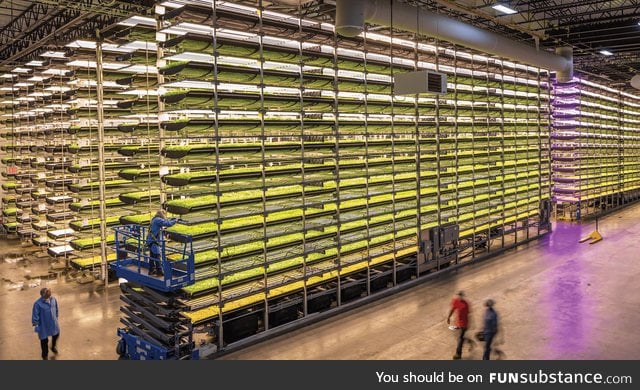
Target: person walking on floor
461 307
154 236
45 320
490 327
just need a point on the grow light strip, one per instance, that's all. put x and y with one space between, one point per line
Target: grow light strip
92 65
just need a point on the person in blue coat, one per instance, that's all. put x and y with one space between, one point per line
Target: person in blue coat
490 327
45 320
154 241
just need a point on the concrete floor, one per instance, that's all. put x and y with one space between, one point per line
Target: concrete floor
89 313
557 299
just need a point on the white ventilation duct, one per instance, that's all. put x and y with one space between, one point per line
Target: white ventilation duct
635 81
351 16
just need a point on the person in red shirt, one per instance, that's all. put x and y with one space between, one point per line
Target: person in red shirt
460 306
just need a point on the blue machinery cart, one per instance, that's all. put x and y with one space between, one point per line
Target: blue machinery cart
154 328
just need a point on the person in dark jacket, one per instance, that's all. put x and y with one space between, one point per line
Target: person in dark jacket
490 327
154 241
44 318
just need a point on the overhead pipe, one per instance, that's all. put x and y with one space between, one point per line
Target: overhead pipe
351 16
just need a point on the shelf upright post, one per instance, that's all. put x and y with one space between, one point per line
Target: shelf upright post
488 127
547 137
336 176
525 193
539 141
149 139
24 141
217 139
473 159
416 132
366 159
303 175
101 160
582 133
502 157
65 223
517 169
393 175
456 131
620 193
263 139
161 107
438 137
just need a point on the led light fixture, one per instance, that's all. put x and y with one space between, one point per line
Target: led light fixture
606 53
504 9
53 54
138 20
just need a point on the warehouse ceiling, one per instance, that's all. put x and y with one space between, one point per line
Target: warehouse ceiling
27 28
589 26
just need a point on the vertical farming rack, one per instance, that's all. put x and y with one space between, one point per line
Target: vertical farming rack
595 149
303 182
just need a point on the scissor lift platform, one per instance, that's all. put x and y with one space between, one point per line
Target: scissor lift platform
133 259
154 328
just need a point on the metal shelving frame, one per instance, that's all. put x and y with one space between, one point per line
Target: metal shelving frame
241 290
595 145
304 182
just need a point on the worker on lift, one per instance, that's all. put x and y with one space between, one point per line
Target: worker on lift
154 242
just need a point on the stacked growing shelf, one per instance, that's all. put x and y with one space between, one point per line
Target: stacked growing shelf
139 137
56 197
630 148
113 146
130 146
39 123
50 143
305 184
594 149
8 152
17 188
81 166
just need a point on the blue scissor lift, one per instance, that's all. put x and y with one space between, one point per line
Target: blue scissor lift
154 328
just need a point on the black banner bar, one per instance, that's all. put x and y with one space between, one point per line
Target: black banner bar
329 375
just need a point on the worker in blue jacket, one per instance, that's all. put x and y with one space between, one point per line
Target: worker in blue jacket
45 320
154 240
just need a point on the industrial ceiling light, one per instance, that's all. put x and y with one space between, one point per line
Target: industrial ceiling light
53 54
606 53
136 20
504 9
